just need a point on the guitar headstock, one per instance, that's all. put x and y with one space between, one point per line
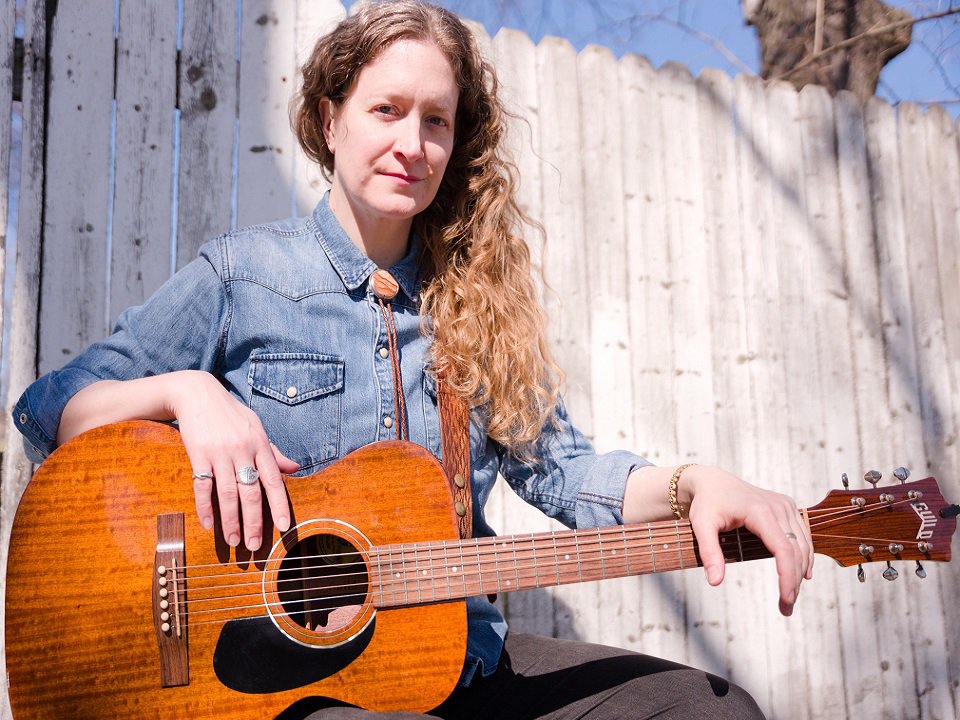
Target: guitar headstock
910 521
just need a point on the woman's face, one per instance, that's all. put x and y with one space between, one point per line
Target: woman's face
392 137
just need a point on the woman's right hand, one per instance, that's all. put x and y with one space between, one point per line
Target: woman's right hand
221 436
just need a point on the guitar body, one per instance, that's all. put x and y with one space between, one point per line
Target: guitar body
84 638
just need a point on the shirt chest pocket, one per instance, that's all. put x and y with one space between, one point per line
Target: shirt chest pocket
297 398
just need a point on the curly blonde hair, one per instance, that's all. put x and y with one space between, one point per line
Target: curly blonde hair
477 289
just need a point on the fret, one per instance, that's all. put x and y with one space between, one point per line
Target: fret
626 549
653 554
430 575
536 567
603 567
446 573
380 579
402 576
516 564
679 545
463 570
739 544
556 556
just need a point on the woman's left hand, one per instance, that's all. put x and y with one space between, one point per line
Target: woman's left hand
720 501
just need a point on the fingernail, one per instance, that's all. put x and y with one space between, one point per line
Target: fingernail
233 539
206 523
253 544
283 524
713 575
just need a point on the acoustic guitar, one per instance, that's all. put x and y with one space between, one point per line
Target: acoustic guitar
119 605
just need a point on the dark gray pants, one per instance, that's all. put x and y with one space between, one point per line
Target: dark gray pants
542 677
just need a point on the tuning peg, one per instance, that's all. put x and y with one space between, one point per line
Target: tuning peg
861 575
846 481
872 477
890 573
901 474
921 573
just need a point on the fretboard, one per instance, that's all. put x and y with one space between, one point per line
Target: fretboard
425 572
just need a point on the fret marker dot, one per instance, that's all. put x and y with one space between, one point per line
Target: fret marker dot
423 572
566 557
398 575
613 552
666 546
454 568
508 583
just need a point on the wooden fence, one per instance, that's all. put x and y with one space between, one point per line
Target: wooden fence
740 274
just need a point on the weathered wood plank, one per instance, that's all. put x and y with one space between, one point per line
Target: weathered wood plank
314 19
607 273
568 311
897 651
267 76
73 307
143 193
866 414
825 351
207 87
21 352
943 151
7 25
691 365
515 57
728 318
766 454
659 611
933 380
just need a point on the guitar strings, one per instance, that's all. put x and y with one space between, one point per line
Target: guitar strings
586 544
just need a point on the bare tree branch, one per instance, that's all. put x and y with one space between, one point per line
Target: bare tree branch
857 38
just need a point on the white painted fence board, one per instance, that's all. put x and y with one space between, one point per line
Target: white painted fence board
73 311
315 18
568 311
21 353
932 376
896 647
267 76
143 192
208 112
691 370
833 435
606 281
730 349
866 414
660 608
515 57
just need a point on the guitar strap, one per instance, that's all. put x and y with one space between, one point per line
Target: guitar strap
455 444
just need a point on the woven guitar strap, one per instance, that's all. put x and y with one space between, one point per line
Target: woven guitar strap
455 443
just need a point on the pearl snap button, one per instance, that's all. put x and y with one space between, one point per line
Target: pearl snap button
388 422
384 353
291 392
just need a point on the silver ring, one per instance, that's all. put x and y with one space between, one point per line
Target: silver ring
203 476
247 475
791 536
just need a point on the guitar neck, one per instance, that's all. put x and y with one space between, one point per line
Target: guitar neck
421 573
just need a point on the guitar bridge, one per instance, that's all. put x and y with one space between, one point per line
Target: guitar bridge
169 593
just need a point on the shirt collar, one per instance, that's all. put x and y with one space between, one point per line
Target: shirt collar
353 267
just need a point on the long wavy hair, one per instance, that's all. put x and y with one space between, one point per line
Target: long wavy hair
477 287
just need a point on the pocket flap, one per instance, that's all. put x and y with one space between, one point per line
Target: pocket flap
293 378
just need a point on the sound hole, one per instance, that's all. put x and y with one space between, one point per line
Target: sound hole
322 583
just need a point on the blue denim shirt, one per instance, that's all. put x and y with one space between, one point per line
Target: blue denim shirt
284 315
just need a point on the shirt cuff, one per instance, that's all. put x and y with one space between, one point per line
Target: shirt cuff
600 499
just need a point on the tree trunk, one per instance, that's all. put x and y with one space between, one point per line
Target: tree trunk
788 28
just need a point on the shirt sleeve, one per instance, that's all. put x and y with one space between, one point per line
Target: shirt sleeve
180 327
568 480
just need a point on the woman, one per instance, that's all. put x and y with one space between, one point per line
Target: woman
291 333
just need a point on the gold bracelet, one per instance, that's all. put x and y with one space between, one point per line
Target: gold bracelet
679 510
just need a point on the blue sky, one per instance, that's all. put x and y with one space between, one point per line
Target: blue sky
708 33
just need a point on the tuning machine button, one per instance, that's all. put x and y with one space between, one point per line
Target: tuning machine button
921 573
890 573
845 480
872 477
861 575
901 474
